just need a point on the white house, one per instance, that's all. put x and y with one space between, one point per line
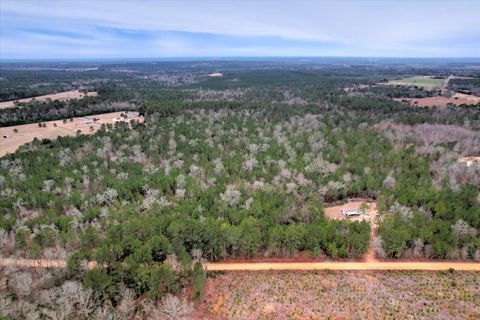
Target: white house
215 75
351 212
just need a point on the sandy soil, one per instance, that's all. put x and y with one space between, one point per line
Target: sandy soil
442 101
27 132
67 95
260 266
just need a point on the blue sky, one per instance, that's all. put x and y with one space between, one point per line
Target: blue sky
228 28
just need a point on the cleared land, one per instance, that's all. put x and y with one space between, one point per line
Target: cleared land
442 101
67 95
342 295
426 82
370 215
11 140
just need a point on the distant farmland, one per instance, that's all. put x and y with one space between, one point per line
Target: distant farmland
11 138
67 95
420 81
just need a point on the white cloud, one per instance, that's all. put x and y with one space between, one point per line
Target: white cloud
391 28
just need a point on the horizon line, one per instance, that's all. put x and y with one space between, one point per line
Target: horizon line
191 58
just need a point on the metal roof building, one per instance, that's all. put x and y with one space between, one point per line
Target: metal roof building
351 212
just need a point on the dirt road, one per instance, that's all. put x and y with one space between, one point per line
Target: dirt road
445 83
259 266
332 265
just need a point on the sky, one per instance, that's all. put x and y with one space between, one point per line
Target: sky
71 29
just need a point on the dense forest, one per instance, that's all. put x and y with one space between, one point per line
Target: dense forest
236 168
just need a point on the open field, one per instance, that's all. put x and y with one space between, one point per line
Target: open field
67 95
442 101
11 141
342 295
426 82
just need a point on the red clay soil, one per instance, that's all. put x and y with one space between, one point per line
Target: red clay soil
392 265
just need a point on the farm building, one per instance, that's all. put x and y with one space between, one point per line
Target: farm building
351 212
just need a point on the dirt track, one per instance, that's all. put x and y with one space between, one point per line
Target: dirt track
259 266
331 265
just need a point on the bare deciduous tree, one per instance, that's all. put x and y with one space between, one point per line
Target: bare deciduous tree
231 196
173 308
379 246
389 182
125 307
21 283
418 246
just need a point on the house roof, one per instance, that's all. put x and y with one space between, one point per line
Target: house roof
351 211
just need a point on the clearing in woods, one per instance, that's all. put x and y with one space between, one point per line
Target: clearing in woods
11 138
67 95
369 215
